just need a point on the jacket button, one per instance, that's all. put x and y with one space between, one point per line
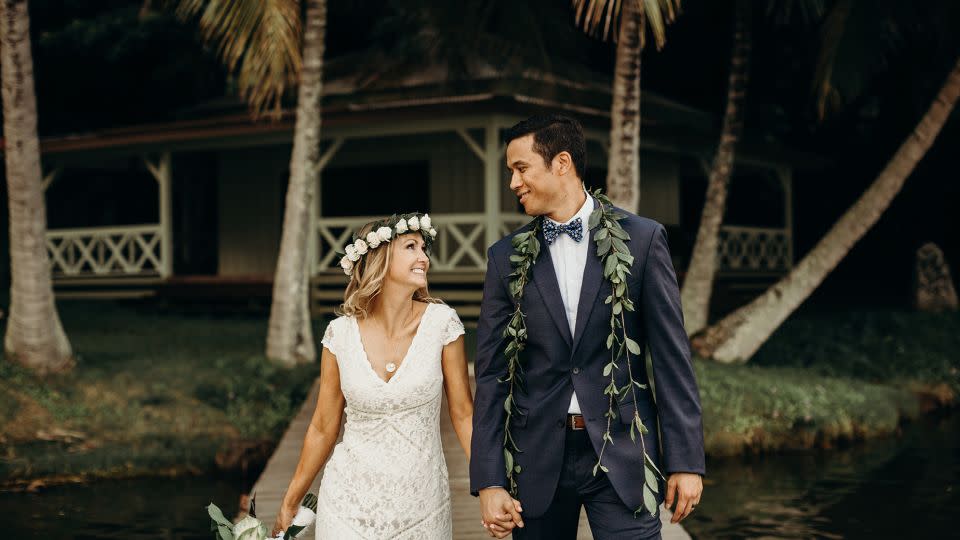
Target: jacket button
560 424
576 371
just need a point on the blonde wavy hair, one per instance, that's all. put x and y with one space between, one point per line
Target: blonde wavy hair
366 280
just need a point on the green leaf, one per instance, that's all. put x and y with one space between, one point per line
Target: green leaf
620 289
226 533
640 426
508 403
633 433
640 386
604 469
651 479
609 267
649 501
620 246
508 457
619 232
594 219
595 467
617 308
603 247
607 369
601 234
607 301
217 516
610 340
632 346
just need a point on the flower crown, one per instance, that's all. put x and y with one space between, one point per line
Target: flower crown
384 231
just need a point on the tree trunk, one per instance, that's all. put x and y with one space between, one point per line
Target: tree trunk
290 337
623 166
35 336
740 334
698 283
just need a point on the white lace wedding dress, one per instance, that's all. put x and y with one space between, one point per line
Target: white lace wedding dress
387 479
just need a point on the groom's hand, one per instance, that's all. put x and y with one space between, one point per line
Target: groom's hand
685 488
500 511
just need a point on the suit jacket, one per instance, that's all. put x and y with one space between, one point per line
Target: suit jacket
556 363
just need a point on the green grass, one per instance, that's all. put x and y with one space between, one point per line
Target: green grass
149 392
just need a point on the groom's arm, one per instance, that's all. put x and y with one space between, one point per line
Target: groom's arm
487 465
678 400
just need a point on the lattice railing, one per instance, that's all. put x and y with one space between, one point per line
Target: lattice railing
132 250
754 249
459 245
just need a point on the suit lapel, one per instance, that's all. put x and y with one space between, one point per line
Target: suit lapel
545 279
592 279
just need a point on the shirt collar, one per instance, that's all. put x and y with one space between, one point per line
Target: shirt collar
583 213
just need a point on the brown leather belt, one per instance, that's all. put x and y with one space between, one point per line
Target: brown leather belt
576 422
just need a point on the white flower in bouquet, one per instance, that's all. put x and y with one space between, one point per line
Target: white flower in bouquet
414 223
425 222
250 526
384 233
360 246
346 264
401 226
351 252
373 240
433 232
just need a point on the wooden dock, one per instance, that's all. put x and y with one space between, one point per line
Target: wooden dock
272 483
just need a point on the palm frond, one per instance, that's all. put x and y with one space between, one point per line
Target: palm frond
258 38
598 17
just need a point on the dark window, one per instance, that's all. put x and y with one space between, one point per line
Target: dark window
376 190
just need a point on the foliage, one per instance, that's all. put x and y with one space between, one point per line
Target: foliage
150 392
594 15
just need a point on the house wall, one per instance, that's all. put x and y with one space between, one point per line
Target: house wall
251 185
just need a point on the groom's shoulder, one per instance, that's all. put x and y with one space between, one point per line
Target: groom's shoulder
505 244
638 225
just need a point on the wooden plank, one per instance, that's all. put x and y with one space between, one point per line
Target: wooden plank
273 482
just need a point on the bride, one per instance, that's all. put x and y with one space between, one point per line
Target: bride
385 362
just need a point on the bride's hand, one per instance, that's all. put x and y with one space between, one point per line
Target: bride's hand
284 519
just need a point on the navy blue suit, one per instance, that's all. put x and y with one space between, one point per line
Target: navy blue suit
556 363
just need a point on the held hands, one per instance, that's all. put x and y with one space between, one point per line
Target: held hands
500 512
685 489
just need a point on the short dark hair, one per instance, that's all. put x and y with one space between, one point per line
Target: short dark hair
552 134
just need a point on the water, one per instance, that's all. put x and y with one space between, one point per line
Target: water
138 509
903 487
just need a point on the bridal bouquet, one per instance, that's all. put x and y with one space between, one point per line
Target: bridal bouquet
251 528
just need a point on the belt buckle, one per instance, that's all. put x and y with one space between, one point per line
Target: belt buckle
572 422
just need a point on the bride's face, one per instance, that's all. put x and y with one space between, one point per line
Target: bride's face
409 262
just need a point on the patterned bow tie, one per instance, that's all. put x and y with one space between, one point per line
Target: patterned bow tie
552 230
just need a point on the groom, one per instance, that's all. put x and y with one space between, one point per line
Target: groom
563 382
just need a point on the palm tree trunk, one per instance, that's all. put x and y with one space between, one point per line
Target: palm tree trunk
290 337
740 334
698 283
623 166
35 336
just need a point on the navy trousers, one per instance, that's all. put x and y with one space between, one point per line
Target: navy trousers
609 517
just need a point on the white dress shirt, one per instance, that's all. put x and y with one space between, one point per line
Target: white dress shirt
569 258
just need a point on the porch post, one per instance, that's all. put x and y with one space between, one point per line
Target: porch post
161 173
491 182
786 181
313 240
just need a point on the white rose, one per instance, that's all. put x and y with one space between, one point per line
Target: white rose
352 254
401 226
246 524
373 239
384 233
346 264
414 223
361 246
425 221
433 232
304 518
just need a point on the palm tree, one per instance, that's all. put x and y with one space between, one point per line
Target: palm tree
634 16
698 282
740 334
35 336
263 38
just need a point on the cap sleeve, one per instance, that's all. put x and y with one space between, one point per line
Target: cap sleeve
332 335
452 327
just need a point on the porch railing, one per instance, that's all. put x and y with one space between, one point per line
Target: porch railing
131 250
459 245
755 249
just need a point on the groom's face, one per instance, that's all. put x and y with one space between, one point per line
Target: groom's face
531 178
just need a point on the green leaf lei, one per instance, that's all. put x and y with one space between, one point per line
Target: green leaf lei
616 260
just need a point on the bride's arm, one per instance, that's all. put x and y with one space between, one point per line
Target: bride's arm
456 383
319 441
